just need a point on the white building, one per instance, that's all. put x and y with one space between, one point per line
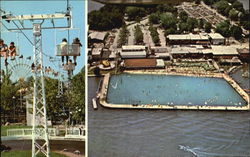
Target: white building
133 51
217 39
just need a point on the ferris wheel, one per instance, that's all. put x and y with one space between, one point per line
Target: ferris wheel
20 68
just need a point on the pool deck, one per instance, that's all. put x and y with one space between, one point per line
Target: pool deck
104 90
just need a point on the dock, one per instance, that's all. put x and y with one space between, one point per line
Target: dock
94 103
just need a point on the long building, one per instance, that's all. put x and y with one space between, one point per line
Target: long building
197 39
133 51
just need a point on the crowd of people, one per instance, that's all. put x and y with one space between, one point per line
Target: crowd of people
7 51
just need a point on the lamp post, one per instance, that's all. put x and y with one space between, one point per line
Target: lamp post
13 103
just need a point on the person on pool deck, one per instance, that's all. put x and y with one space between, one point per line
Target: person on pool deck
12 50
64 50
4 51
76 41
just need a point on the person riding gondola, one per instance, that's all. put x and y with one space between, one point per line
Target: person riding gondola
12 50
64 50
4 51
77 42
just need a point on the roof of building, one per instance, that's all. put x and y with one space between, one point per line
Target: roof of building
97 35
133 53
216 36
96 51
244 50
187 37
221 50
136 63
133 47
178 37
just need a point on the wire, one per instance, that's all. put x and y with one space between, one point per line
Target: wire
24 34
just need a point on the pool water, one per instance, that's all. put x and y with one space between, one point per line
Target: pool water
171 90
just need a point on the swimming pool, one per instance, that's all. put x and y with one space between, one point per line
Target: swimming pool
171 91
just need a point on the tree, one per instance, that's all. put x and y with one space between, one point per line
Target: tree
221 6
154 18
233 14
183 16
138 35
76 97
169 31
162 8
8 93
123 36
238 6
223 28
192 23
236 32
201 23
183 26
135 12
154 34
208 27
108 17
197 1
168 20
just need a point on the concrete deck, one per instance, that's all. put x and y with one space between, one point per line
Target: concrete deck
245 96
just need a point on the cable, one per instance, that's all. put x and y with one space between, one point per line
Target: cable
24 34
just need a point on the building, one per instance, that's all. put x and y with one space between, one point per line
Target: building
187 39
97 37
160 52
133 51
217 39
143 63
244 54
222 52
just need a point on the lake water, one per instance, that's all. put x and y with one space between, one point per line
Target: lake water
163 133
171 90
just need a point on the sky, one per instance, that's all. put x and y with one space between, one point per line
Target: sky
50 37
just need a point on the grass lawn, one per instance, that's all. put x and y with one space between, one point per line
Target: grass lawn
4 128
27 153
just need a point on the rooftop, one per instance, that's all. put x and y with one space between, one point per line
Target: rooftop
97 35
216 36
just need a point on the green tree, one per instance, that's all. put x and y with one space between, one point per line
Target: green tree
201 23
123 36
183 26
154 34
192 23
168 20
76 97
236 32
223 28
238 6
138 35
154 18
183 16
8 95
208 27
107 18
135 12
221 6
233 14
169 31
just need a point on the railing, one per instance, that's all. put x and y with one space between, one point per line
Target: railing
27 132
75 133
68 50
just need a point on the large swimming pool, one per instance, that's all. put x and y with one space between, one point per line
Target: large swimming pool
174 90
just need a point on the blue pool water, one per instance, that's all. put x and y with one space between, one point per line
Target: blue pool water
171 90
